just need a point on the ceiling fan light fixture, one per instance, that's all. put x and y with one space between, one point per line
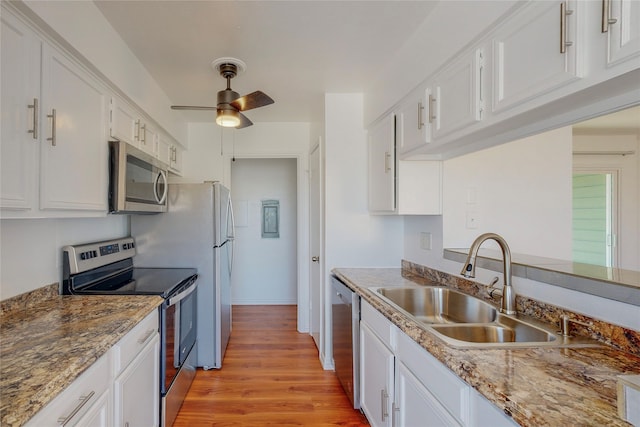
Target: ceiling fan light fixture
228 118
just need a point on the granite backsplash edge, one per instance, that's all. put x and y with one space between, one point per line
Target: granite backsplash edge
29 299
621 338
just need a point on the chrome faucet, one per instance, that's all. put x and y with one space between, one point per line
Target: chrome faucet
508 304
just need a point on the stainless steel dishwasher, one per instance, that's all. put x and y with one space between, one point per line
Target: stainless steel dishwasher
345 310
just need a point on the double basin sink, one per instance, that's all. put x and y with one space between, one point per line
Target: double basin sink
465 321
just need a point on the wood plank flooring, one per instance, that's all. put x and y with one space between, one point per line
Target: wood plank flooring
271 376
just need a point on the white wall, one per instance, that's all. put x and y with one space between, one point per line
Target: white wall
31 249
353 237
265 269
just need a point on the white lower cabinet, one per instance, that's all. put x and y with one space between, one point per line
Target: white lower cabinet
120 389
137 391
402 385
414 405
376 393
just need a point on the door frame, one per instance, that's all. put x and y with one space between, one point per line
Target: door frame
302 219
317 147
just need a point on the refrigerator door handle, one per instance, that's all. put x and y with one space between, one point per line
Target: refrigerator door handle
231 234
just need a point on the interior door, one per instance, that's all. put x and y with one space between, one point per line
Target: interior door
315 243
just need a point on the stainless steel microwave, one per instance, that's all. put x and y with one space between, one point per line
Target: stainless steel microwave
137 181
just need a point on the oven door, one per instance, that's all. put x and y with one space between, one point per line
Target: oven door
179 330
138 182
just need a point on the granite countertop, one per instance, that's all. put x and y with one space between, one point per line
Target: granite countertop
535 386
45 346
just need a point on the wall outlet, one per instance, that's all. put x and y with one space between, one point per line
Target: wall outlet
425 241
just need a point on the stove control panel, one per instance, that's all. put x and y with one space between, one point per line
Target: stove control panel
85 257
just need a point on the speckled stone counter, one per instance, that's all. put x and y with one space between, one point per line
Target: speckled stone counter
535 386
45 345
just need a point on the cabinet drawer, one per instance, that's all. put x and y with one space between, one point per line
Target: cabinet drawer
132 344
443 384
77 399
379 325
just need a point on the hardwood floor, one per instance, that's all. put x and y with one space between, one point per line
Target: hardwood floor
271 375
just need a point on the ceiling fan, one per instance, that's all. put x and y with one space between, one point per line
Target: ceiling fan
230 103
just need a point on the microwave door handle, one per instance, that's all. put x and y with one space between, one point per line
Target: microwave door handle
160 199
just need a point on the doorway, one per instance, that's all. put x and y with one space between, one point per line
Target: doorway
264 195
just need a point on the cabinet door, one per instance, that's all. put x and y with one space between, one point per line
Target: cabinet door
125 125
376 379
535 52
457 96
19 143
74 152
137 389
148 139
382 196
176 160
414 129
100 413
414 404
624 33
164 153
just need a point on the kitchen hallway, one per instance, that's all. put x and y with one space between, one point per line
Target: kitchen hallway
271 375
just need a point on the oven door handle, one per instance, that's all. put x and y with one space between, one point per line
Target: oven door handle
182 295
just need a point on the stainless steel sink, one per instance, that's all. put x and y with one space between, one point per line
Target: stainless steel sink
431 304
465 321
506 330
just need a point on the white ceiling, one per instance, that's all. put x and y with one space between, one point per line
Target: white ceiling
295 51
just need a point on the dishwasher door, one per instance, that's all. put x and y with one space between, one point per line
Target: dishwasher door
345 310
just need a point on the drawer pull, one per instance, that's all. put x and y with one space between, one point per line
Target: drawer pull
146 336
63 421
384 401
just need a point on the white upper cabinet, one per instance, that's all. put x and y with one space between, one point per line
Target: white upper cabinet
535 51
125 122
54 129
455 100
414 129
621 20
74 151
412 187
20 133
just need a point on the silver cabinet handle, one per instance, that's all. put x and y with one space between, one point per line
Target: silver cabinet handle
35 108
143 130
384 396
606 16
387 162
432 115
564 12
420 110
146 336
136 136
52 116
63 421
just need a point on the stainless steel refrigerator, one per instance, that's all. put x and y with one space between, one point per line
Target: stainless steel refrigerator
197 231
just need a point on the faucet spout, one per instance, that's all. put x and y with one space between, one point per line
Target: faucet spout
508 304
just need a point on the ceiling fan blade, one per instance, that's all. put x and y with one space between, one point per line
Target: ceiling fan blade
252 100
192 107
244 121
